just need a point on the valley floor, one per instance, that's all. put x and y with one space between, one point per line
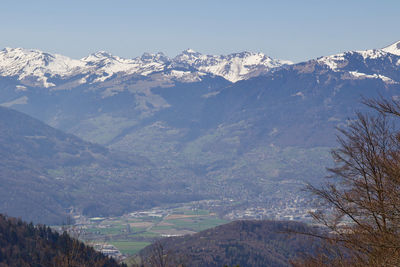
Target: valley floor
126 235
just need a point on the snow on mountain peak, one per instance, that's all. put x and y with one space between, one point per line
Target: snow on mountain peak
233 67
188 57
338 61
105 65
98 57
35 67
24 63
353 64
189 51
393 48
102 54
159 57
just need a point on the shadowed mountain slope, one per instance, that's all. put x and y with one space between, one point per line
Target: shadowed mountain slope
243 243
45 172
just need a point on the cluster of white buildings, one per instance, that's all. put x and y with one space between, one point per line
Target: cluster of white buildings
109 250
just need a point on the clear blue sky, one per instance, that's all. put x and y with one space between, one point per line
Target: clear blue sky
285 29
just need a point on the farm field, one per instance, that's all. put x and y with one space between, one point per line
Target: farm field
132 232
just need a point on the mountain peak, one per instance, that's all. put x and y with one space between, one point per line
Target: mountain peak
189 51
22 63
232 67
393 48
28 63
189 54
23 52
159 56
20 49
103 53
99 55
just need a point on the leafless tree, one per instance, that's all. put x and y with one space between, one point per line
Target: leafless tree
159 256
364 220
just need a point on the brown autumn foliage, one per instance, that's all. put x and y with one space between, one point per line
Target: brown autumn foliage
364 220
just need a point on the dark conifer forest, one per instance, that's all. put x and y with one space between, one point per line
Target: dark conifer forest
23 244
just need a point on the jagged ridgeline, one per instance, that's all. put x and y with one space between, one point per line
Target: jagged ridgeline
23 244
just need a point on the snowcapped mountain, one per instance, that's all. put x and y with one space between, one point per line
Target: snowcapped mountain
36 67
393 48
233 67
380 64
25 64
105 65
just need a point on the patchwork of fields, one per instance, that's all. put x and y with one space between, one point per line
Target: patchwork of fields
132 232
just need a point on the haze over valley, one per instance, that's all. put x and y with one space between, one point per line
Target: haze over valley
183 133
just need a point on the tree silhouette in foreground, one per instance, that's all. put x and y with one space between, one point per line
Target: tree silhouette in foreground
159 256
364 220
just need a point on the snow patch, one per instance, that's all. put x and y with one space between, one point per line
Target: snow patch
371 54
20 88
299 94
333 62
185 76
273 132
393 48
211 94
333 119
19 101
360 75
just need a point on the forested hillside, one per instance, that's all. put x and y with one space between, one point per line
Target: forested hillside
243 243
23 244
45 172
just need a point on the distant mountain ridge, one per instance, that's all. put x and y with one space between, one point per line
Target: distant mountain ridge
36 67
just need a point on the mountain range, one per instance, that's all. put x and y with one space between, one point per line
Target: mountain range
244 127
34 67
